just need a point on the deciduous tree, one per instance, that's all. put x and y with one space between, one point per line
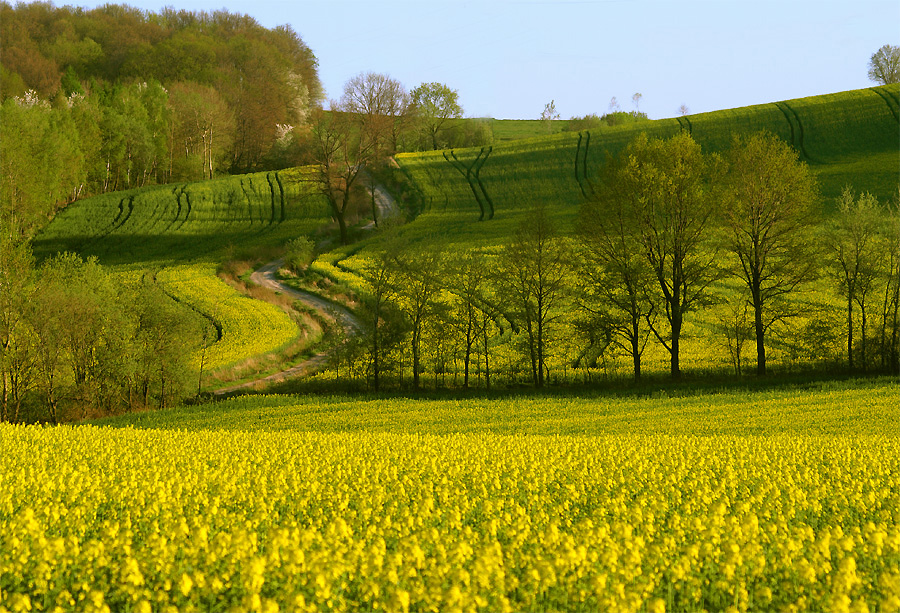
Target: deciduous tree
666 189
618 282
341 151
768 215
383 106
435 104
855 255
533 281
884 65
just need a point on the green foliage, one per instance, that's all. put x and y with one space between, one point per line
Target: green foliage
300 253
141 98
433 105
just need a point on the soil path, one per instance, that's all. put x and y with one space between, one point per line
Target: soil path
340 317
335 314
385 205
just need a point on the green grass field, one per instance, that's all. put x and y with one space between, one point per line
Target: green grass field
473 199
205 221
830 408
849 137
182 233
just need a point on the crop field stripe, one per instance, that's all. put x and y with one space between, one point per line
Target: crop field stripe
577 156
177 211
466 172
478 167
800 126
206 316
281 190
187 200
271 196
889 101
587 149
685 124
796 132
581 160
247 196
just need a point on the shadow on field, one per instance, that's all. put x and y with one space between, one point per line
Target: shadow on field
653 386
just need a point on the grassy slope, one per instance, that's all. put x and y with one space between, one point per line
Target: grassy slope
183 232
847 138
205 221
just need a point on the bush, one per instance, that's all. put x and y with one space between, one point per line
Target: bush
300 254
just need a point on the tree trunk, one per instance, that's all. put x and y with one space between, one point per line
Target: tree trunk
636 345
675 367
342 225
487 365
415 354
375 365
850 330
862 311
760 334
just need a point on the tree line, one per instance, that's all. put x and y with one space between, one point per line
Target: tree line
669 231
74 343
115 98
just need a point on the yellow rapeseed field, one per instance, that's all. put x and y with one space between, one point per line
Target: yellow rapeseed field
105 519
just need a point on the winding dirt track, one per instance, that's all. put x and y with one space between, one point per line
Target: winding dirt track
334 314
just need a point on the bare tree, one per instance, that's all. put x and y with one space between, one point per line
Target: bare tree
342 150
884 65
684 110
636 99
855 257
549 114
382 104
768 215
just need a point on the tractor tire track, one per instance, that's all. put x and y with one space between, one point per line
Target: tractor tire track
890 101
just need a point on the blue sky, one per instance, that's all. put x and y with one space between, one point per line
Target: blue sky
507 58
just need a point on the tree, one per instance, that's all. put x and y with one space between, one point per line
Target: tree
16 355
533 281
636 99
768 215
884 65
852 241
469 285
203 126
420 276
617 278
341 151
383 106
665 187
381 275
549 114
890 310
684 110
434 105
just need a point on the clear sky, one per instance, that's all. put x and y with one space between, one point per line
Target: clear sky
508 58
